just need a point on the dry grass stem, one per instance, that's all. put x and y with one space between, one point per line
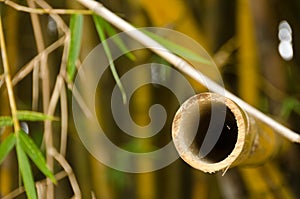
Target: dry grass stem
271 90
26 69
44 74
15 193
41 189
40 47
93 195
35 87
31 10
64 120
54 98
62 161
59 21
2 80
8 81
76 94
222 56
50 100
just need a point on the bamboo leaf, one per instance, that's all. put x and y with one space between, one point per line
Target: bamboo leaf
25 115
26 173
6 146
177 49
289 105
6 121
113 34
34 116
76 23
35 154
297 107
99 26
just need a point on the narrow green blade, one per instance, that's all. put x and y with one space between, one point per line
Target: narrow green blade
113 34
99 26
6 121
6 146
34 116
35 154
26 173
76 24
25 115
178 49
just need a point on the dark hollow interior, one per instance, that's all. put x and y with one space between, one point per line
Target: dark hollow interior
223 144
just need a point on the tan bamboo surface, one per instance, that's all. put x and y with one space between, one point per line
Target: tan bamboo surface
243 140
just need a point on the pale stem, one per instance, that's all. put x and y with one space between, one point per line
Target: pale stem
8 82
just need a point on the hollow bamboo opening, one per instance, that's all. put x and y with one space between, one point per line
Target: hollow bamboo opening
212 133
224 142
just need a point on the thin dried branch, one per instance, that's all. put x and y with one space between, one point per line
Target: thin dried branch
25 70
50 100
64 120
40 47
93 195
8 81
76 94
62 161
13 194
186 68
59 81
41 189
271 90
59 21
44 74
31 10
2 80
35 86
222 56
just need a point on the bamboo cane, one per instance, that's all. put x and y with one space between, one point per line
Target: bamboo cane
242 141
186 68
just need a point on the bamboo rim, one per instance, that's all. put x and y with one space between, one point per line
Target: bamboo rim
239 138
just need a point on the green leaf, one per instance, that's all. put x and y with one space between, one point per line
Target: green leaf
26 173
297 107
25 115
289 104
287 108
6 121
76 24
99 26
34 116
113 34
35 154
6 146
177 49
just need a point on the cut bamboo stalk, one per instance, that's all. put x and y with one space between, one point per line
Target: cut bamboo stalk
212 133
186 68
